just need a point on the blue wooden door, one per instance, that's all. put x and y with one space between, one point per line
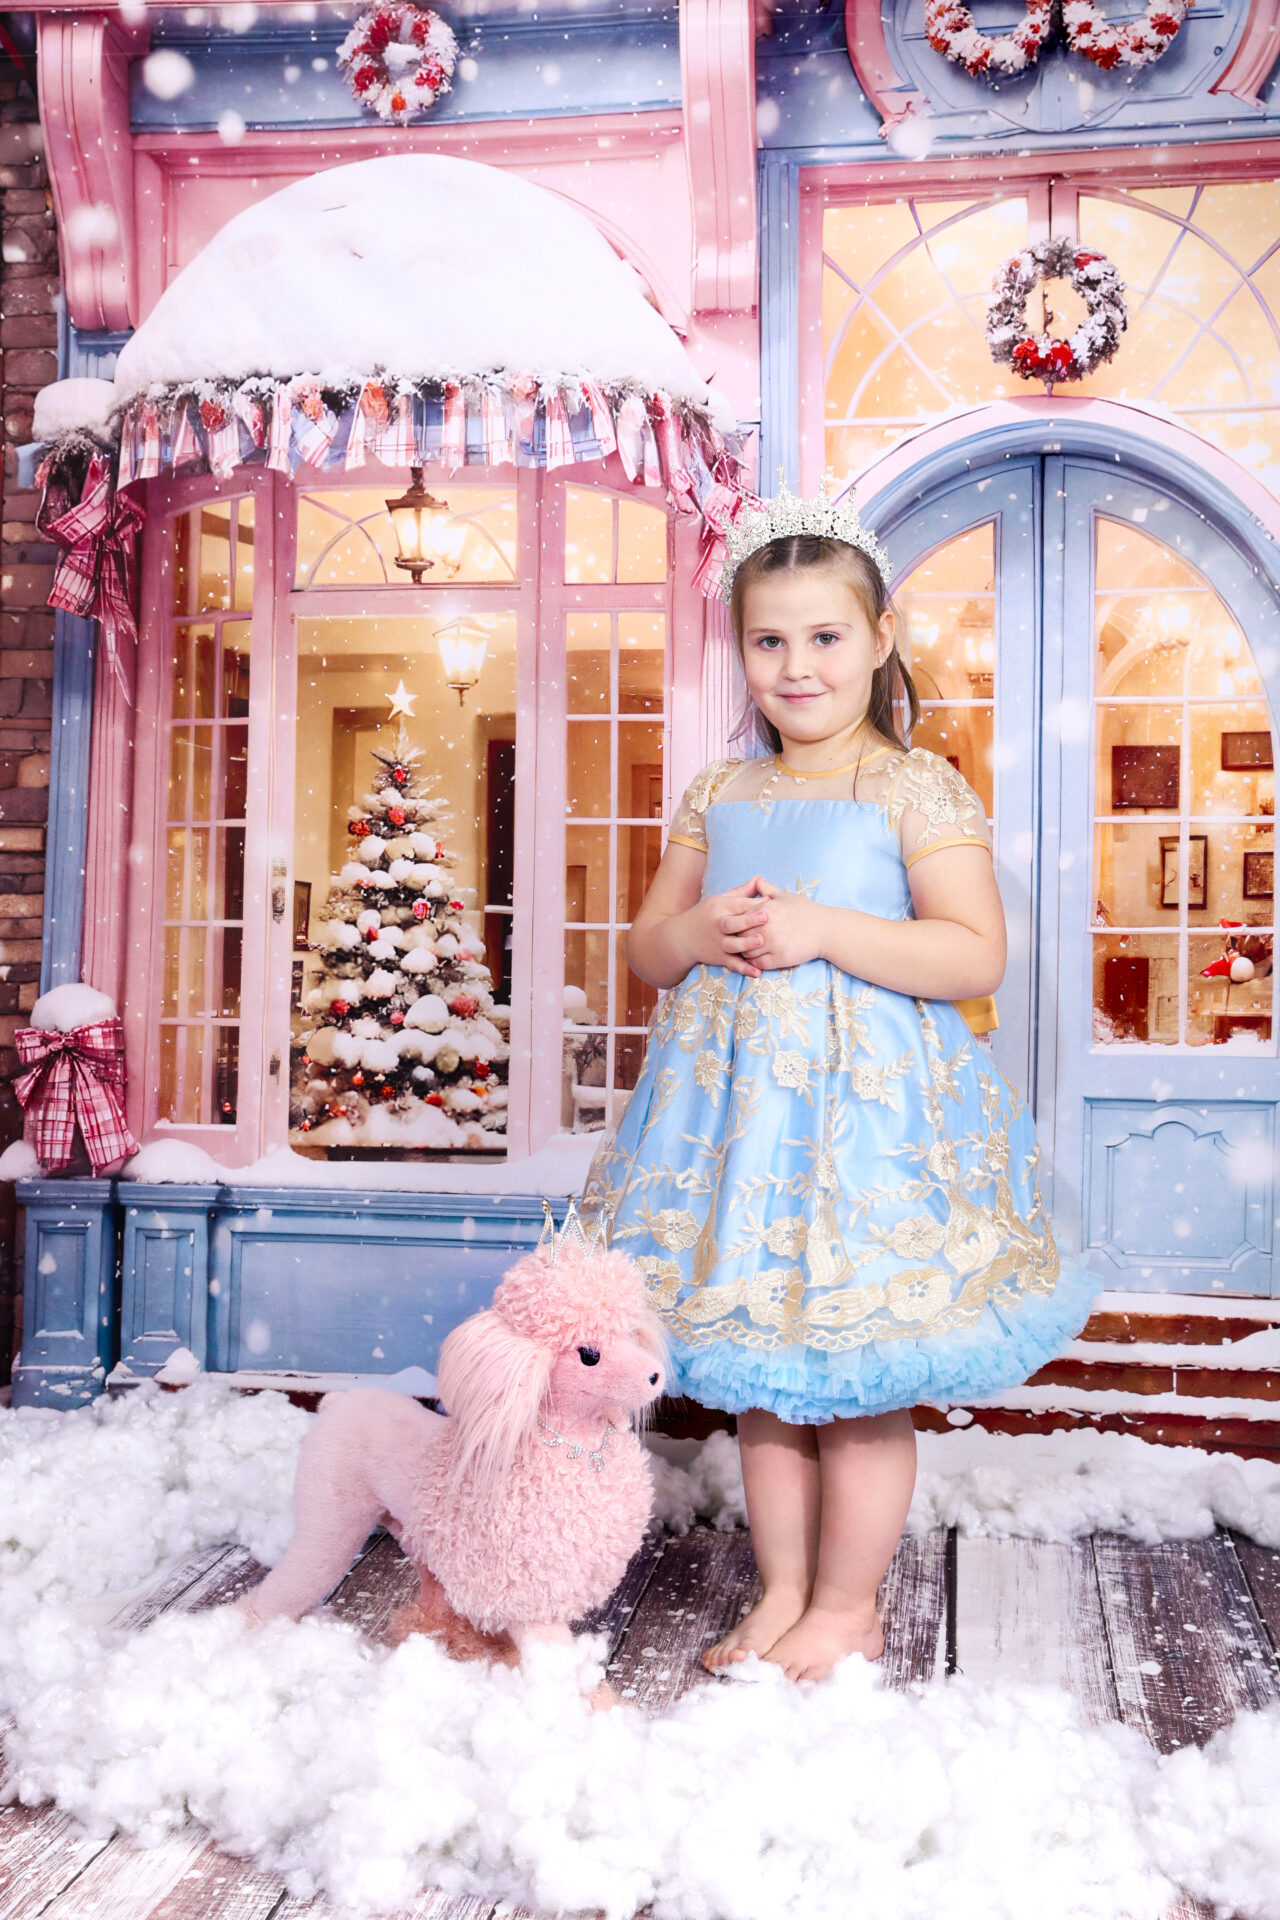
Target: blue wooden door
1130 745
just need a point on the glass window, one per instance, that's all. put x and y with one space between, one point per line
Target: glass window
608 539
905 284
206 760
613 842
345 537
1184 830
404 824
947 604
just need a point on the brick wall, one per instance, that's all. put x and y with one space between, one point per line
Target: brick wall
28 341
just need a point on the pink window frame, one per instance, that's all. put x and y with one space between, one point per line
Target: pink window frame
540 598
1069 175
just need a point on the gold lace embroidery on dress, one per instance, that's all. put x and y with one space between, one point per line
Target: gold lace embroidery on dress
962 1224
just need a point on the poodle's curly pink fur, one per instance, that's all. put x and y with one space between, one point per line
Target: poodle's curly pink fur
522 1505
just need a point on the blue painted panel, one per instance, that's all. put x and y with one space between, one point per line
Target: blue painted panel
1010 499
1181 1197
74 649
164 1273
68 1332
814 106
339 1283
779 323
286 75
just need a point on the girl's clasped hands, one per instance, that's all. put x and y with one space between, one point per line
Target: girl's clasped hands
757 927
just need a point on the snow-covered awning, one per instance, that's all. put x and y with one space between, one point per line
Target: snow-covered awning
412 309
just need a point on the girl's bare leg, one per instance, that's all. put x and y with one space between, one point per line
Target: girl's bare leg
780 1472
868 1470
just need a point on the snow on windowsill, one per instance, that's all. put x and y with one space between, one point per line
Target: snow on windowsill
560 1167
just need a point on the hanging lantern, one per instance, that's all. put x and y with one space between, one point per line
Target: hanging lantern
462 651
426 533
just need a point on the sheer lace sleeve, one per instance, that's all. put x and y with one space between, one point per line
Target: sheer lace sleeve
687 823
933 806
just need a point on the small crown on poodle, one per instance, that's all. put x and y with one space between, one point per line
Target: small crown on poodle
589 1236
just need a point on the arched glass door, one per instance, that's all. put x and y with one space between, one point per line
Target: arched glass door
1091 651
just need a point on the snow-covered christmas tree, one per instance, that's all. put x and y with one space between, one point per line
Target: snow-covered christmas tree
401 1044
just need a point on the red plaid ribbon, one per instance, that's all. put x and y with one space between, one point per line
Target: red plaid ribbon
94 577
75 1080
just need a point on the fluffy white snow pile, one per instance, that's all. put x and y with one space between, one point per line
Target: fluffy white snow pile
73 406
73 1005
418 265
369 1775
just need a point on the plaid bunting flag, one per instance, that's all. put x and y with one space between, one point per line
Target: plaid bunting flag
75 1080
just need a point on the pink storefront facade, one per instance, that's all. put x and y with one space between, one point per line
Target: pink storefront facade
1085 577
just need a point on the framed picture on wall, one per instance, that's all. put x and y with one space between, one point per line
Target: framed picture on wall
1197 871
1259 873
301 915
1144 777
1247 752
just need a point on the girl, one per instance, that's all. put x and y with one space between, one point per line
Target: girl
832 1192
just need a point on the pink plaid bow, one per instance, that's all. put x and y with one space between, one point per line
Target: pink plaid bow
75 1080
94 577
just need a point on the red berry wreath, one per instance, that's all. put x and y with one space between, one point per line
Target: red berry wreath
1042 356
398 58
950 30
1135 44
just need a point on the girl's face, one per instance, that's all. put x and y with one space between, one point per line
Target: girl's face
809 651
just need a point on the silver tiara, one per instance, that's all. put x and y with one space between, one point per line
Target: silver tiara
589 1236
786 515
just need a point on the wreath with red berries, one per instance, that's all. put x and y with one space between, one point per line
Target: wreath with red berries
1044 356
1136 44
398 58
950 30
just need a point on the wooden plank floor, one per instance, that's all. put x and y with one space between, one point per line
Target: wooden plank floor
1174 1639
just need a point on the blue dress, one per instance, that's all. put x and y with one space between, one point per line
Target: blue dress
829 1186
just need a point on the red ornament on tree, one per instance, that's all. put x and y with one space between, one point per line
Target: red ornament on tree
388 1092
359 828
397 1017
421 911
340 1007
434 1100
357 1079
396 816
456 905
213 414
400 775
465 1005
482 1069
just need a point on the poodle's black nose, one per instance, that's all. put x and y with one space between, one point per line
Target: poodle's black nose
653 1379
589 1356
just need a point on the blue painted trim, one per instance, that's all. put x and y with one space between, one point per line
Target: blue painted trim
164 1272
75 644
1115 445
518 69
68 1304
91 353
779 322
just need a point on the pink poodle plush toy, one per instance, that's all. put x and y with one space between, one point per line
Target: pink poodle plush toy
522 1505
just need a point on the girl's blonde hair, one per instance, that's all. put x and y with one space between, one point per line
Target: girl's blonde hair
894 707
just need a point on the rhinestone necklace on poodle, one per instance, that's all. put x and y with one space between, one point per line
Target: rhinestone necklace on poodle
595 1456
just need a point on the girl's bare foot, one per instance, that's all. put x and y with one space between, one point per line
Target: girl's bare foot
776 1612
822 1636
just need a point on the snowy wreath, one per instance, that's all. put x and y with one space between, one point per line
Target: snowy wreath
1042 356
398 58
950 29
1136 44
